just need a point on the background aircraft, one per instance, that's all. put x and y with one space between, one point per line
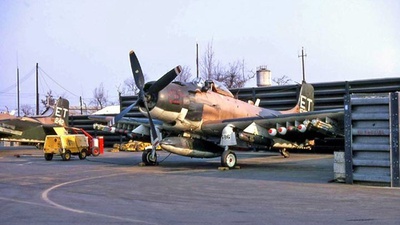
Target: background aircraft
204 120
34 129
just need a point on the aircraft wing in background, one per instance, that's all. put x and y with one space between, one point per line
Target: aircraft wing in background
34 129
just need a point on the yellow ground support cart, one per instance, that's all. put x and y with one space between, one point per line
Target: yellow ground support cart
66 145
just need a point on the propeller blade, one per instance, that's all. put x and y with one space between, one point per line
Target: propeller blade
139 80
136 70
165 80
122 114
154 136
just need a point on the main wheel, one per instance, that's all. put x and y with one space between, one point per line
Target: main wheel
228 159
48 156
66 156
147 159
82 154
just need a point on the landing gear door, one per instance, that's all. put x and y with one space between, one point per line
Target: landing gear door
228 137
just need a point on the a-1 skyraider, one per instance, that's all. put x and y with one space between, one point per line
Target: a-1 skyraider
34 129
203 119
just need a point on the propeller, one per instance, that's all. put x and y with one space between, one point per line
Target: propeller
139 81
143 97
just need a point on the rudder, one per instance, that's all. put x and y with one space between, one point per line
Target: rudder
305 101
306 98
60 114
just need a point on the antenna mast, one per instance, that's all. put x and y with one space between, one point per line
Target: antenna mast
302 63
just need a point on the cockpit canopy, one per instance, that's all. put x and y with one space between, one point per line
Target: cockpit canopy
212 85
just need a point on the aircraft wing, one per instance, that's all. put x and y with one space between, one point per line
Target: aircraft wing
125 124
16 126
138 121
326 123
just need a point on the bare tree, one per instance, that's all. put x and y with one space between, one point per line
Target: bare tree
234 76
282 80
49 100
100 97
27 110
208 63
130 86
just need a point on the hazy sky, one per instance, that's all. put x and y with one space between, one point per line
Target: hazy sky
81 44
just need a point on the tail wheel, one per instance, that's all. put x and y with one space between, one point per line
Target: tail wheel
148 159
228 159
82 154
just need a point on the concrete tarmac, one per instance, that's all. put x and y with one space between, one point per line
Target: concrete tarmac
114 189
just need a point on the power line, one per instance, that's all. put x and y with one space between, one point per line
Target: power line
57 83
23 79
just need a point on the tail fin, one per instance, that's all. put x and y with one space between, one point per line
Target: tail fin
60 114
305 102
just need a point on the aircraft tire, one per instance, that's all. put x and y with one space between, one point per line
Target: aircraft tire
48 156
66 156
147 159
228 159
83 154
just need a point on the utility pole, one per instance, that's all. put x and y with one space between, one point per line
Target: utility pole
37 88
18 92
302 63
80 100
197 60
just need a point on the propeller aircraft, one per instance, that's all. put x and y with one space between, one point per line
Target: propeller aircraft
34 129
202 119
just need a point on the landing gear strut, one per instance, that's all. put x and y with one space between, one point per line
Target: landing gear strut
148 159
285 153
228 159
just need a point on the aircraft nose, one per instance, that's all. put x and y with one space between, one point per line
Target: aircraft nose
171 98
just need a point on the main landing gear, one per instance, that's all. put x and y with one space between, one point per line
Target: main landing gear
228 159
148 159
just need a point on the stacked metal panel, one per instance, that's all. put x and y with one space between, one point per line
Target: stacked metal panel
372 138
